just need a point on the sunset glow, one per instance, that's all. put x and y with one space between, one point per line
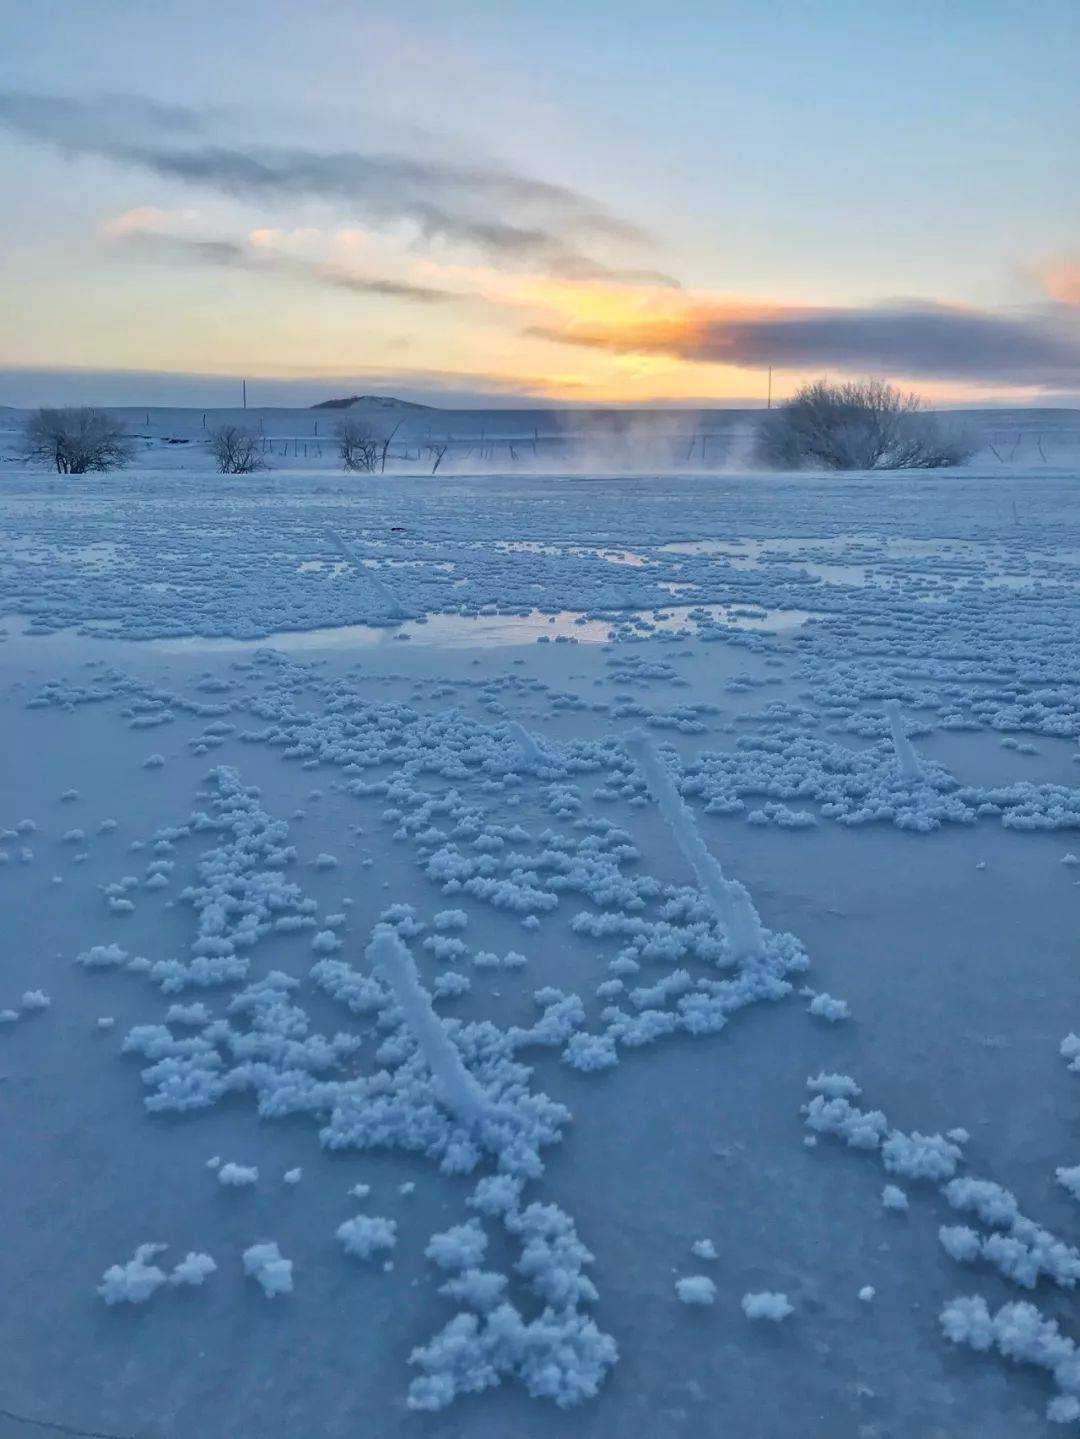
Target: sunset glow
620 242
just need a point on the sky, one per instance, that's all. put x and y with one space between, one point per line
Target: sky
505 202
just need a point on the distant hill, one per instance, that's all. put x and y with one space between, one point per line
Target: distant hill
375 402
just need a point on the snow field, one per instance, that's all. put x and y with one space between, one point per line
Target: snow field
516 890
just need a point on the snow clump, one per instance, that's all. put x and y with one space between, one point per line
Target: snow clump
264 1263
767 1305
193 1270
367 1234
696 1289
135 1281
237 1176
824 1006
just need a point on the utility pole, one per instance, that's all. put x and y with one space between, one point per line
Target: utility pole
768 402
244 383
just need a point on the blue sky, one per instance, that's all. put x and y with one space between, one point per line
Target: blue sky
590 202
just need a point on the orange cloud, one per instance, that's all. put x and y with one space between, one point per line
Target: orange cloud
585 299
1061 281
147 217
636 342
913 339
269 239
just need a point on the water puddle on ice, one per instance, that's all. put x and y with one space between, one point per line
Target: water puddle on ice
535 547
329 567
741 616
449 631
444 631
746 554
888 561
488 631
102 553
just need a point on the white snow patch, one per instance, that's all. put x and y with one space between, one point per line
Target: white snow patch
237 1176
135 1281
695 1289
194 1269
367 1234
767 1305
265 1264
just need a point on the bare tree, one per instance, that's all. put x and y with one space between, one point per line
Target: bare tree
235 451
437 450
77 441
358 447
861 425
386 446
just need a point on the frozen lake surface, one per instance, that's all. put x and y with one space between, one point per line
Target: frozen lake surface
669 795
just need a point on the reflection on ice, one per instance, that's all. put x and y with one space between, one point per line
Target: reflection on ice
487 631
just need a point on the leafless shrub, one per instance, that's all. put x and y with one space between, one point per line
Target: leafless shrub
235 451
76 441
358 446
861 425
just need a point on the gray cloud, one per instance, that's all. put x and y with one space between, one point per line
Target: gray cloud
109 119
548 224
154 244
929 341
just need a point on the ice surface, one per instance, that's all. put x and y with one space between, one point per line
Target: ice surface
630 1074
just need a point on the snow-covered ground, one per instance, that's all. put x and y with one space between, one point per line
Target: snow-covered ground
669 795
